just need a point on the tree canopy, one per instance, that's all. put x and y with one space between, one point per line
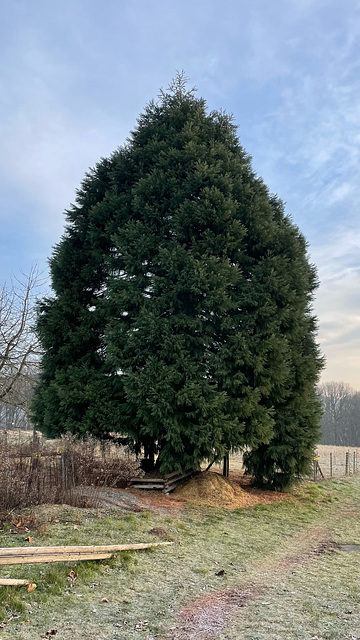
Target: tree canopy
181 314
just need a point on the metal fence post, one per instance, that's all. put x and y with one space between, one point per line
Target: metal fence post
331 465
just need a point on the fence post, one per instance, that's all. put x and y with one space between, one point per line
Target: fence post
354 462
315 463
331 465
64 471
347 463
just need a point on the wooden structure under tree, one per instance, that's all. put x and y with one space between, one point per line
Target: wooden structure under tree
166 483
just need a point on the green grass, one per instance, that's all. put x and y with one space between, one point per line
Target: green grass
312 597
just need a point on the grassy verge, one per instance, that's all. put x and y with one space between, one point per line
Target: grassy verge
308 594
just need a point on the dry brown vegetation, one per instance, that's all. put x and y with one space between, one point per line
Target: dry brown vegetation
36 471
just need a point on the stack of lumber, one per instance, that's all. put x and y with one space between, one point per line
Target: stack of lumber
32 555
165 483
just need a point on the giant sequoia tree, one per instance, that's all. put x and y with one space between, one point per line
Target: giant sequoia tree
181 313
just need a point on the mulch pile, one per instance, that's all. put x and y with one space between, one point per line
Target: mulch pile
217 491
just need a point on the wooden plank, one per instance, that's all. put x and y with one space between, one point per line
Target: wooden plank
170 486
179 478
55 557
112 548
148 486
171 475
12 582
148 482
167 476
152 480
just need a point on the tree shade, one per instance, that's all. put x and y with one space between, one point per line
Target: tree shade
181 314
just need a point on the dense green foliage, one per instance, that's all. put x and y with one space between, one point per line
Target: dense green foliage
181 315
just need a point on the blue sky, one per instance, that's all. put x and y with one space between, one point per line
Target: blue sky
75 75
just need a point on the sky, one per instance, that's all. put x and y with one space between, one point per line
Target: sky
75 75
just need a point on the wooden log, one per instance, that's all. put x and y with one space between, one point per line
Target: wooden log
12 582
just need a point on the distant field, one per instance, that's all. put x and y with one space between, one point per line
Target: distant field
323 452
338 459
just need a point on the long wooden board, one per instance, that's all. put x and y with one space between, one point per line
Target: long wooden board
166 483
12 582
32 555
15 551
54 557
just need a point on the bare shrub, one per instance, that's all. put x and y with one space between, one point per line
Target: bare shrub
51 471
99 464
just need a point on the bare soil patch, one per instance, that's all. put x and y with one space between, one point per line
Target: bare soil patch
132 500
209 615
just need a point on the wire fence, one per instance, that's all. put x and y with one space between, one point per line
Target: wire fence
332 462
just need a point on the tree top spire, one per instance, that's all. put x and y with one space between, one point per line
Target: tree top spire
178 87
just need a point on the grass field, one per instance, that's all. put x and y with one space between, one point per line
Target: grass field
271 571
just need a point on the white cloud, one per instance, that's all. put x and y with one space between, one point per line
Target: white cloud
337 306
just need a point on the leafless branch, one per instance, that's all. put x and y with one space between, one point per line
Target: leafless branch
19 346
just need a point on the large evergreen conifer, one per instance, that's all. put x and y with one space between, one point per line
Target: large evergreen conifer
181 310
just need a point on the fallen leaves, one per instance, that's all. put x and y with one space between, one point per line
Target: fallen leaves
31 587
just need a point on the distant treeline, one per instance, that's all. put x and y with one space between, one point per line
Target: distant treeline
341 418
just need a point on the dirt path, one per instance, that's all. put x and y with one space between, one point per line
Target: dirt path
208 617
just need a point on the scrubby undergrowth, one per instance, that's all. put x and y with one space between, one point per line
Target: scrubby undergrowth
38 471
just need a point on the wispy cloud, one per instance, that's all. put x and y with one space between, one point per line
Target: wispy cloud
338 305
